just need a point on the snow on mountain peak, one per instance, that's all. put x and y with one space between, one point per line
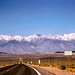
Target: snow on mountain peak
33 37
18 37
66 37
9 37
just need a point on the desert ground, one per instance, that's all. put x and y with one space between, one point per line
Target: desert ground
50 63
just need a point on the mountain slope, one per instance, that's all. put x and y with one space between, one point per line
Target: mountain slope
37 43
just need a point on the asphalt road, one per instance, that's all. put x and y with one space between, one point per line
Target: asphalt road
19 69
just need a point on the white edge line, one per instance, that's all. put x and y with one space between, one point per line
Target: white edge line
35 70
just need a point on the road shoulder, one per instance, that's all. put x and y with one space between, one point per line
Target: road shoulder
41 70
52 70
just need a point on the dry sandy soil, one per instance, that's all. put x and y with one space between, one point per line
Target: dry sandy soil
56 71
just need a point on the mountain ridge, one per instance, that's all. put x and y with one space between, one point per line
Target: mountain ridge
65 37
37 43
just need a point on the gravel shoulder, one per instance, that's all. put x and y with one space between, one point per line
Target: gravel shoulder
52 71
41 70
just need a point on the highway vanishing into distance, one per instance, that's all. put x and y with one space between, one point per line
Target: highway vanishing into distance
21 63
17 69
21 69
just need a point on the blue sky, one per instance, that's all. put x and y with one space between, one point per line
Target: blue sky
27 17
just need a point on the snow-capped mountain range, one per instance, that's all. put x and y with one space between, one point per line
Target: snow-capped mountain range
66 37
37 43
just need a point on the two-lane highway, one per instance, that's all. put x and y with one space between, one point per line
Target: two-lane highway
19 69
22 69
